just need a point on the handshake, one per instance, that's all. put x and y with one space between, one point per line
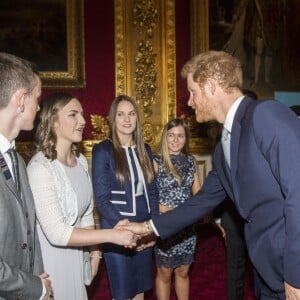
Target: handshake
141 234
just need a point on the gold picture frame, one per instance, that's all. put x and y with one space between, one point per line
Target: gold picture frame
74 77
51 34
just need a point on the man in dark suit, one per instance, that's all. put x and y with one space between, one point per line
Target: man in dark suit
21 267
260 173
232 227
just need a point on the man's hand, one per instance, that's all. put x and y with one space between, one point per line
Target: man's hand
125 237
221 228
141 229
291 293
47 284
145 242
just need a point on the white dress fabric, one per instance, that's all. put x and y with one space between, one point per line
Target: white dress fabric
53 182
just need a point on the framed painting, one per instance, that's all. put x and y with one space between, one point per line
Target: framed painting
48 33
263 34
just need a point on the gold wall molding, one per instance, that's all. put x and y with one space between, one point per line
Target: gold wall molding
199 26
145 64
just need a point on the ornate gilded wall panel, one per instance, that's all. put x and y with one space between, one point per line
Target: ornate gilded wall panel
145 60
199 26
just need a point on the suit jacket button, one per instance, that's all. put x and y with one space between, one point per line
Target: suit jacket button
248 221
24 246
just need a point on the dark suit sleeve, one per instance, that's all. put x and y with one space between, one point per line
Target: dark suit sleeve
277 131
192 210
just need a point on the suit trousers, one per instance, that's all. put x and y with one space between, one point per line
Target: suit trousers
236 251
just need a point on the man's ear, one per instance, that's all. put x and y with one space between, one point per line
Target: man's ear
19 99
211 86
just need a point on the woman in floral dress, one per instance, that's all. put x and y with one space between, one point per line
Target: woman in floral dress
177 180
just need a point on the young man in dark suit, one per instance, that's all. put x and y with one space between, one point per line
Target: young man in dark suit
257 165
21 267
232 227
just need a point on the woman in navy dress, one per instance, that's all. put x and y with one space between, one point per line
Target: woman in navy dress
177 179
125 190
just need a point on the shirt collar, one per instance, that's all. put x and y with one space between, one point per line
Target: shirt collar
5 144
231 113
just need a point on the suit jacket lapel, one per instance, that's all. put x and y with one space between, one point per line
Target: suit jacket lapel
236 132
245 110
11 183
235 142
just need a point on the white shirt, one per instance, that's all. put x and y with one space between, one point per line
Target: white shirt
231 113
5 145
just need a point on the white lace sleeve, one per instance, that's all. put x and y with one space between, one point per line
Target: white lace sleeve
48 210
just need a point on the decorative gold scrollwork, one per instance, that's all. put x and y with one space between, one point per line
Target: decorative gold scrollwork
145 19
101 127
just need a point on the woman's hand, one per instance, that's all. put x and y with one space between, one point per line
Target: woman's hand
95 257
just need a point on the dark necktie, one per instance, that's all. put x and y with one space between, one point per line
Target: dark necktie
15 166
225 140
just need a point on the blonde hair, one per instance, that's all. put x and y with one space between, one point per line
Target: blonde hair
164 150
218 65
45 136
122 168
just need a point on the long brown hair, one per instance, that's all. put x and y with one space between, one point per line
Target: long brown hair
45 136
122 168
163 146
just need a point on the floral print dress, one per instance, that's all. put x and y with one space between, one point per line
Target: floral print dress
180 248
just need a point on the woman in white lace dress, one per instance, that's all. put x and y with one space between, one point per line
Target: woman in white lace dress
63 196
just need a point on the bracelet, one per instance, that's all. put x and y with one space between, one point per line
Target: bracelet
96 255
147 227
